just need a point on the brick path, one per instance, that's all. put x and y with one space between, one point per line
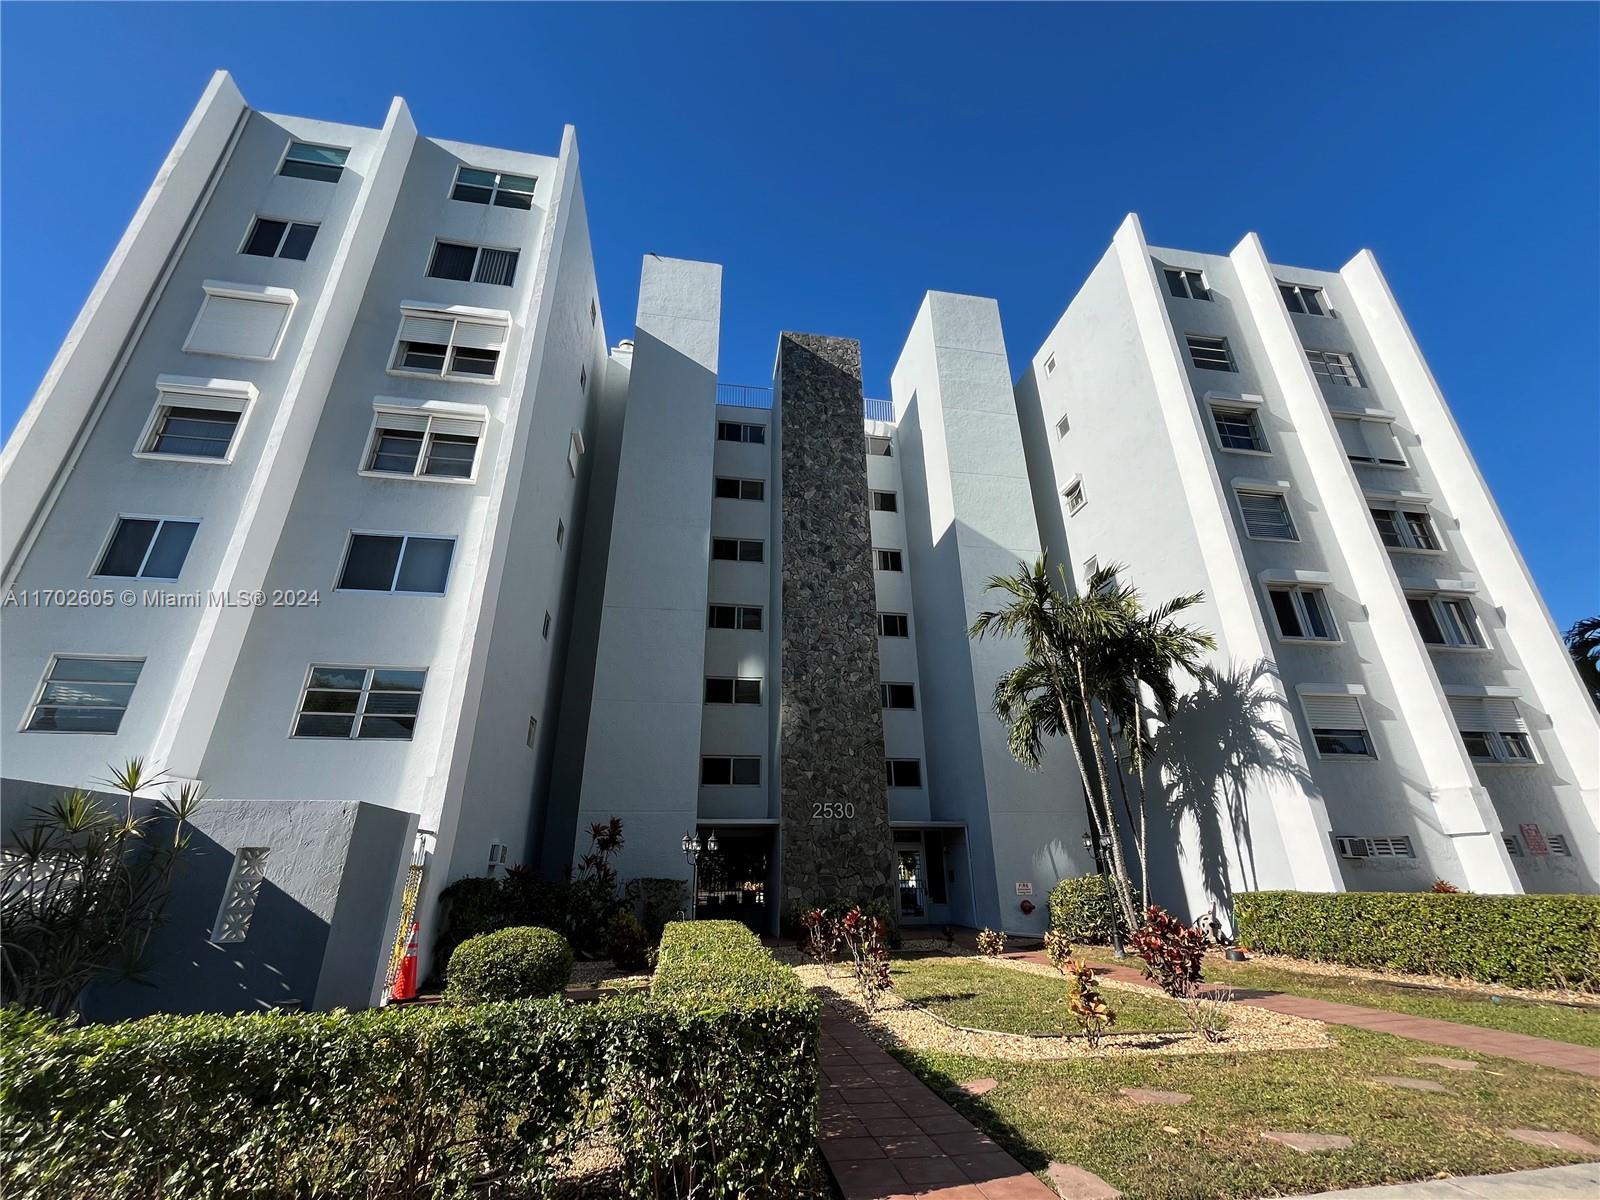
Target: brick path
1537 1051
886 1136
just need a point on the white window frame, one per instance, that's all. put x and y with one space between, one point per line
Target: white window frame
888 779
189 391
733 682
1265 487
162 522
1364 419
431 411
1063 426
1224 345
1262 449
477 249
344 163
1408 537
739 489
1193 280
496 189
1300 291
906 617
45 680
215 289
1343 371
288 223
744 428
1344 691
1050 366
884 694
457 315
1073 496
874 441
1495 715
739 611
1438 603
1298 592
406 536
739 545
894 500
878 561
361 702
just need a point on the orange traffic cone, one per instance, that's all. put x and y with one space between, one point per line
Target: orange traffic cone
405 981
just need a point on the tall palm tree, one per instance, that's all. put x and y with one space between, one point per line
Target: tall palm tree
1583 643
1049 693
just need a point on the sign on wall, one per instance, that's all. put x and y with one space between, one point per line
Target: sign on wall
1534 837
1024 888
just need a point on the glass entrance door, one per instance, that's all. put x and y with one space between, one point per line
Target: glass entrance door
913 883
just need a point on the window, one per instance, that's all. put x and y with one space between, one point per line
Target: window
1371 443
239 896
885 502
147 548
238 320
574 452
1492 729
1302 612
722 770
1558 843
897 695
475 264
196 420
436 342
1337 726
1445 620
733 616
279 239
894 625
1073 496
396 563
737 550
720 690
1266 515
879 447
1335 368
740 489
419 444
493 187
902 772
1304 299
372 703
888 560
1186 284
1210 353
1238 429
740 431
1062 426
84 695
1405 529
323 163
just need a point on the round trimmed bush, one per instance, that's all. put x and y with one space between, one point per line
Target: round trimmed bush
1083 909
521 963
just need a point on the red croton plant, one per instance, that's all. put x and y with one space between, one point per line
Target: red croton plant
1172 951
865 939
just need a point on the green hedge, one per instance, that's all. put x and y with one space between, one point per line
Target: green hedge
1083 908
1524 941
709 1087
520 963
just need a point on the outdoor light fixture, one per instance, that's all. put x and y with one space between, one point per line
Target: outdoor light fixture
691 851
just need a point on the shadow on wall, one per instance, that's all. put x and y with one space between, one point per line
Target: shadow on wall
1223 738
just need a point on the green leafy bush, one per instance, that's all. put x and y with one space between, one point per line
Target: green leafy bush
524 963
1083 908
1524 941
660 901
707 1084
625 942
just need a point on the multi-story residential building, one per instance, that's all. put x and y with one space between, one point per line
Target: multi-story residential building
336 500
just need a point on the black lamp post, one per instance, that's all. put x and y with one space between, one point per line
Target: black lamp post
1091 842
691 851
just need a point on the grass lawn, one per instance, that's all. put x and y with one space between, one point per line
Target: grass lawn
1004 1000
1564 1023
1070 1111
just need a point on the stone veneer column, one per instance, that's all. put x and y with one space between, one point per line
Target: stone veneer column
830 733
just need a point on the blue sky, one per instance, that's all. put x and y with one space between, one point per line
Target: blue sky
841 160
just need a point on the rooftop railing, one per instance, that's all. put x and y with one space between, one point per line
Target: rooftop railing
745 395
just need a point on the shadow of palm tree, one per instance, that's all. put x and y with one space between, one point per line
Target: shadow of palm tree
1219 741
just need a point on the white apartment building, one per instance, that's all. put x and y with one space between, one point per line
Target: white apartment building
335 499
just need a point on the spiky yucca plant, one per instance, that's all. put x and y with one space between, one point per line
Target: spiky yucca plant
83 886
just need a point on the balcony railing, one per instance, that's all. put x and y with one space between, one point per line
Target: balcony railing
745 395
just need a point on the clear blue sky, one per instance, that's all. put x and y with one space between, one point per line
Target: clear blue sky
840 161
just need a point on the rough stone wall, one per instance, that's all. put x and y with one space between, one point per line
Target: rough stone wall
830 725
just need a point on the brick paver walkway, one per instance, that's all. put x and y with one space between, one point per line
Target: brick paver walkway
1540 1052
886 1136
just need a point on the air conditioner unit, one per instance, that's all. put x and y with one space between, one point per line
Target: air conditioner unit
1353 847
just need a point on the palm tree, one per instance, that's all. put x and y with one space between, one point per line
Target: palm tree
1583 643
1049 693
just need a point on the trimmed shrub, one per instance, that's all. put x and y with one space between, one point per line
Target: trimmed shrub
1083 908
1524 941
525 963
708 1085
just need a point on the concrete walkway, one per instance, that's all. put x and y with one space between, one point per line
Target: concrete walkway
1537 1051
1553 1182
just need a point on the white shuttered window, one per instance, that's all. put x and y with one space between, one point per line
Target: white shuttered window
238 321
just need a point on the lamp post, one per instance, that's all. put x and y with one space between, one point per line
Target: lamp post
1091 842
691 851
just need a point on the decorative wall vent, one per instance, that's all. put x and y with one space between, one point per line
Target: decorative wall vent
239 897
